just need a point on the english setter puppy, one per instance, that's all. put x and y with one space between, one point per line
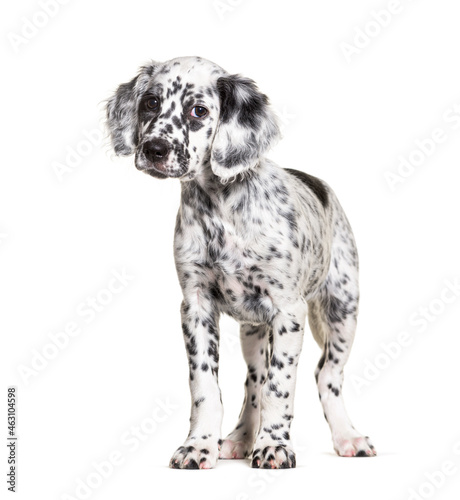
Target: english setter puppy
257 242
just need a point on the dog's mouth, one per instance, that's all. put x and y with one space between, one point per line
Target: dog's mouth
159 170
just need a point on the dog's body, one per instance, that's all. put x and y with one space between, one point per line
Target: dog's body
263 248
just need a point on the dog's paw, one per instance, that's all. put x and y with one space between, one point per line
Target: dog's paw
195 455
235 449
357 446
273 457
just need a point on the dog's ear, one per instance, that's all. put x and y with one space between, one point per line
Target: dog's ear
247 127
122 118
121 112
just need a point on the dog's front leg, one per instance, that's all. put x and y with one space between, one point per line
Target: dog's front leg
201 336
272 448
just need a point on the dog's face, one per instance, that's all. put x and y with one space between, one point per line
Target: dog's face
178 116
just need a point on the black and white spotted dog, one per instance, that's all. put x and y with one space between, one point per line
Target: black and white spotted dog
258 242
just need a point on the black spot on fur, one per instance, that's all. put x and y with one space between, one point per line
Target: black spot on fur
191 464
250 109
196 125
313 183
277 362
337 310
295 327
177 122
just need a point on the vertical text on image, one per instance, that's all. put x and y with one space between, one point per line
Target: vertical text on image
12 438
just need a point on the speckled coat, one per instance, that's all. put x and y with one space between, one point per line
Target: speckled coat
267 246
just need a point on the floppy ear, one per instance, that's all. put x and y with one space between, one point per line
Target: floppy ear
247 127
121 110
122 118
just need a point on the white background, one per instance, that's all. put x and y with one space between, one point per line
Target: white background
61 236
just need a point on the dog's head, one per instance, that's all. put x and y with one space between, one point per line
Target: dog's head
179 115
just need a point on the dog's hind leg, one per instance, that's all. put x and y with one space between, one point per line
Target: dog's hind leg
254 344
332 317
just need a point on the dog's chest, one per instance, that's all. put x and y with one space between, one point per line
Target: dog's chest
254 253
253 268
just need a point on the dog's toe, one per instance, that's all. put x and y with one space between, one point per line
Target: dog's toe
274 457
197 456
354 446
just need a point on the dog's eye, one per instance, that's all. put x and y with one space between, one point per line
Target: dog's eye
152 103
199 112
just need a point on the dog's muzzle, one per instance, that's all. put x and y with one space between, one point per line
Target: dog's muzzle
155 154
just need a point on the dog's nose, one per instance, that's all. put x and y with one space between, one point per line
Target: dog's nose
156 150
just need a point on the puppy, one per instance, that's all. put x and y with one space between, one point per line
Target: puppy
267 246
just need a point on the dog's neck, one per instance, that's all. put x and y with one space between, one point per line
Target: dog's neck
240 199
209 181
